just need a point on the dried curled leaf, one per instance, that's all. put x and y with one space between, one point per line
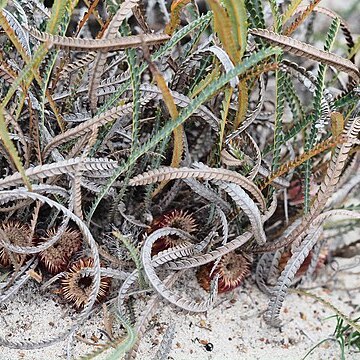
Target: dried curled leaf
299 48
79 44
206 173
301 17
159 286
198 260
87 126
333 15
248 207
58 168
288 274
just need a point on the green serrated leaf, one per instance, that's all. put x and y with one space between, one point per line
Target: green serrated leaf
317 110
256 14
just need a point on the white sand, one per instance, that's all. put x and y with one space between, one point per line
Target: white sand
235 327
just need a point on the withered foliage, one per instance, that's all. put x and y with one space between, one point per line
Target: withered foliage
142 139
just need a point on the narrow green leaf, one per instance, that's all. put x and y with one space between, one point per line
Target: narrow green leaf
316 116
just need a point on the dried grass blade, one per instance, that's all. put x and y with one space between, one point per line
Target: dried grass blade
11 149
301 18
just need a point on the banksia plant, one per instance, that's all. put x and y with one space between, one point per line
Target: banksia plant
111 111
56 258
76 286
18 234
232 269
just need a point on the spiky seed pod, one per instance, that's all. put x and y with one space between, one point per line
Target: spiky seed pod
305 265
178 219
56 258
18 234
232 270
76 286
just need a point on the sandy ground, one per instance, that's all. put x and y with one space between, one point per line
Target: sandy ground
234 327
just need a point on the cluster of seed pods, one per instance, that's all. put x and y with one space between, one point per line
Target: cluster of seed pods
75 284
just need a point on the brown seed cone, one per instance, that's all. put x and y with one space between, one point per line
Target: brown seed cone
18 234
285 257
232 270
178 219
56 258
76 287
